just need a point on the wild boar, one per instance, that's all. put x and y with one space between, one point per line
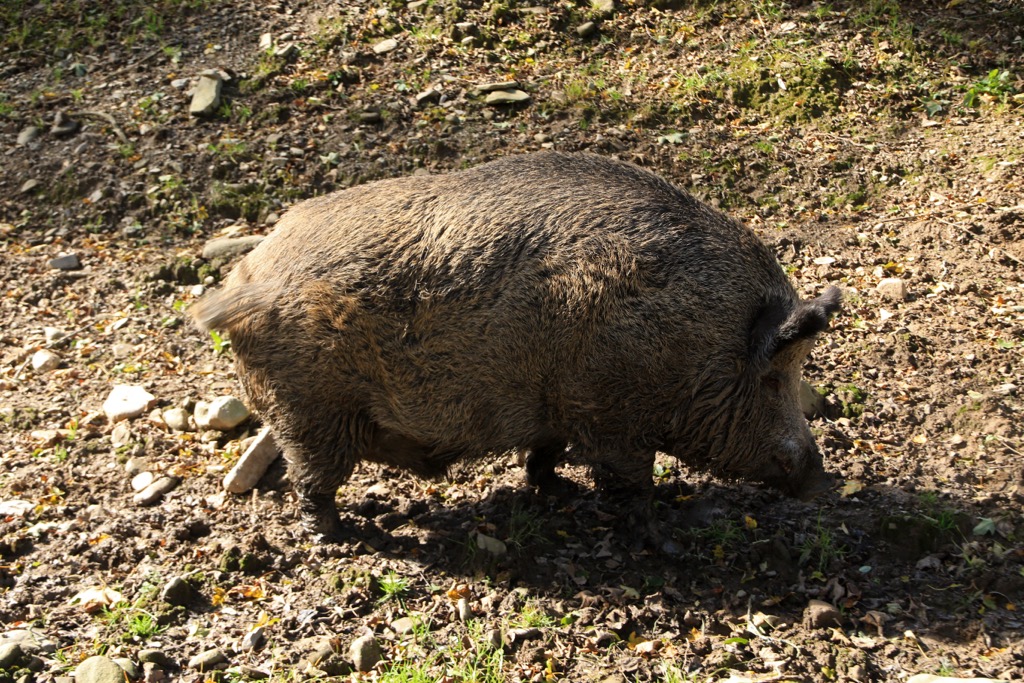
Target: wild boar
531 303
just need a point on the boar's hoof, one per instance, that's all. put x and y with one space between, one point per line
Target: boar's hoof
320 518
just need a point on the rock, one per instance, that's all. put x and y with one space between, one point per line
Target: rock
127 401
230 246
502 85
820 614
462 609
53 334
249 673
154 656
812 403
253 464
266 41
500 97
364 653
223 413
10 655
206 96
155 492
427 97
176 592
29 185
177 419
63 126
142 481
586 30
253 639
286 51
491 545
603 8
66 262
151 673
369 116
131 671
385 46
892 289
15 507
404 625
28 135
209 661
44 360
99 669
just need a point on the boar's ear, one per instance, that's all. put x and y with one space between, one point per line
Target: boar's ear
774 330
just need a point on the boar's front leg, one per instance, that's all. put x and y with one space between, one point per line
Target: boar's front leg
541 463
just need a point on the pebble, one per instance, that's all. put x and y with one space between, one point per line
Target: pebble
385 46
44 360
500 85
253 464
223 413
151 673
30 641
462 607
586 29
15 507
154 656
892 289
820 614
127 401
499 97
29 185
142 481
426 97
63 126
404 625
230 246
29 135
121 435
250 673
253 639
811 402
603 7
176 592
99 669
10 654
206 96
209 660
53 334
155 492
369 116
131 671
177 419
365 653
491 545
266 41
66 262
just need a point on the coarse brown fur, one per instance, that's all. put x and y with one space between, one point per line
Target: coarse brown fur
530 303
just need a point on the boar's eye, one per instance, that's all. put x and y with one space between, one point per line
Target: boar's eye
773 383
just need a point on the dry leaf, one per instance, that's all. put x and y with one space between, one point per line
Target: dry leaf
96 599
850 488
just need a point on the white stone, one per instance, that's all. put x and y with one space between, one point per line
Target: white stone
498 97
223 413
44 360
206 97
385 46
253 464
142 480
177 419
491 545
126 401
892 288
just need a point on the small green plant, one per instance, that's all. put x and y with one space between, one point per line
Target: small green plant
220 344
532 616
394 586
996 85
820 549
524 527
142 626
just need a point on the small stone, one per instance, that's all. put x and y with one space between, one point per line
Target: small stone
1007 389
820 614
29 185
10 655
223 413
230 246
142 481
892 289
462 608
176 592
63 126
99 669
253 464
79 69
44 360
587 29
206 97
180 83
286 51
369 116
177 419
253 639
364 653
151 673
53 334
385 46
154 656
66 262
210 660
427 97
812 403
500 85
155 492
404 625
250 673
131 671
271 218
266 41
29 135
542 138
603 8
491 545
127 401
500 97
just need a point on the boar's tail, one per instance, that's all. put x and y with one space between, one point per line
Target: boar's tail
226 308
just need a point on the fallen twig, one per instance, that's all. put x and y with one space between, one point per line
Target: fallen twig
89 113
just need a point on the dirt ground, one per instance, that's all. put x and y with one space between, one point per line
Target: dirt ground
876 146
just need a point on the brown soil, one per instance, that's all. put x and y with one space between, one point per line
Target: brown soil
862 142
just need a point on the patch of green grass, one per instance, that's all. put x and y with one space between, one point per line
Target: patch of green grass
532 616
820 548
996 86
393 586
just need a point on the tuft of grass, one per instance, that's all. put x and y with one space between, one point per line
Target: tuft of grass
393 586
820 549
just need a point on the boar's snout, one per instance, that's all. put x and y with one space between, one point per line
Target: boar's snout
813 486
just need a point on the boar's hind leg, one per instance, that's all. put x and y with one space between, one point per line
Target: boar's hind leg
541 463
